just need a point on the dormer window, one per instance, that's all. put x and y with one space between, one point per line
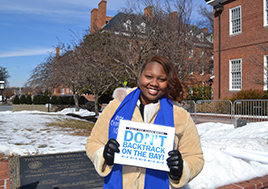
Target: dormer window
141 27
127 25
201 37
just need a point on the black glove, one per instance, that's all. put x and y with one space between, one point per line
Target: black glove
175 163
110 148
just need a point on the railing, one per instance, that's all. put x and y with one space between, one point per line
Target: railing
226 111
251 110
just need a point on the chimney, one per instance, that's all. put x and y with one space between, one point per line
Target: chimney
57 52
148 11
94 21
205 30
173 17
102 14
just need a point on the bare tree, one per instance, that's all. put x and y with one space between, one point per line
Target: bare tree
42 74
4 74
101 72
163 29
260 69
206 20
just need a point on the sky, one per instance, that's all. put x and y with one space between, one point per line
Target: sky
219 141
30 30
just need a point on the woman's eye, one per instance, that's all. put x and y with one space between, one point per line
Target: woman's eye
148 76
162 79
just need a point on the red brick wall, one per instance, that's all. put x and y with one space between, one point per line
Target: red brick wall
102 14
98 17
94 20
244 45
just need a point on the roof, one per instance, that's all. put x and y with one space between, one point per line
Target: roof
215 2
121 22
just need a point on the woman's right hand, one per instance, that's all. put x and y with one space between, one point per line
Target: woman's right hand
110 148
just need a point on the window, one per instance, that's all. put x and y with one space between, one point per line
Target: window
265 13
211 71
201 54
201 70
180 71
235 75
265 78
235 20
127 25
191 92
191 53
191 69
62 90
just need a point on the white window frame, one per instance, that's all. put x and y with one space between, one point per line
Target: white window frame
202 70
265 64
231 20
265 12
62 90
231 87
191 53
191 70
191 92
202 53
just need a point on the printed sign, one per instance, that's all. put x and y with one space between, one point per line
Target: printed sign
144 145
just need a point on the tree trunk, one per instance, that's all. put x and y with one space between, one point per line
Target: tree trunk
96 105
76 102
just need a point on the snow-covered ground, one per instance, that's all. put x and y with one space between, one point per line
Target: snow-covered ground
25 132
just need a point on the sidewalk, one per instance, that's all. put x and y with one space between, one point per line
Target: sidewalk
255 183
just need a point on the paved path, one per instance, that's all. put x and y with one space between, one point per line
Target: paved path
5 108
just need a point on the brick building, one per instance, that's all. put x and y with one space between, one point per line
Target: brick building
199 72
240 39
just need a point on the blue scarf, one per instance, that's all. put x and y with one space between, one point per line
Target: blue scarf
153 178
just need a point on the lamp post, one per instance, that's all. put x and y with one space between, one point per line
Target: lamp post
2 87
218 10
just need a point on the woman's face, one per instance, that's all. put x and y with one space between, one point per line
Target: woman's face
153 83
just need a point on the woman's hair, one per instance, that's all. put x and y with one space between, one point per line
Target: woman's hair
174 87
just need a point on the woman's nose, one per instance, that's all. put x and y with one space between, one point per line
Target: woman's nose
154 82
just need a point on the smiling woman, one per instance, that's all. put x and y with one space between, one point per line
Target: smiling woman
151 102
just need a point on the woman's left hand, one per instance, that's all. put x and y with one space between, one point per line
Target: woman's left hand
175 163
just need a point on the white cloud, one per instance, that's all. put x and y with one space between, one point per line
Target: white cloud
26 52
66 8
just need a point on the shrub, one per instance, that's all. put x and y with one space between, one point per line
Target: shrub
28 99
205 107
249 94
199 92
22 99
223 107
36 99
16 100
54 100
65 100
71 100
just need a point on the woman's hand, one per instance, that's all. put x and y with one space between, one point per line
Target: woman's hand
175 163
110 148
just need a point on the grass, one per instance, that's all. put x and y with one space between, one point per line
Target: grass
80 128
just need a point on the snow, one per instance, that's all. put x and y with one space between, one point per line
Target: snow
26 132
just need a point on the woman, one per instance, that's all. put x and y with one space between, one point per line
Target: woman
152 103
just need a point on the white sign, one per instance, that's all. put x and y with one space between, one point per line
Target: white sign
144 145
